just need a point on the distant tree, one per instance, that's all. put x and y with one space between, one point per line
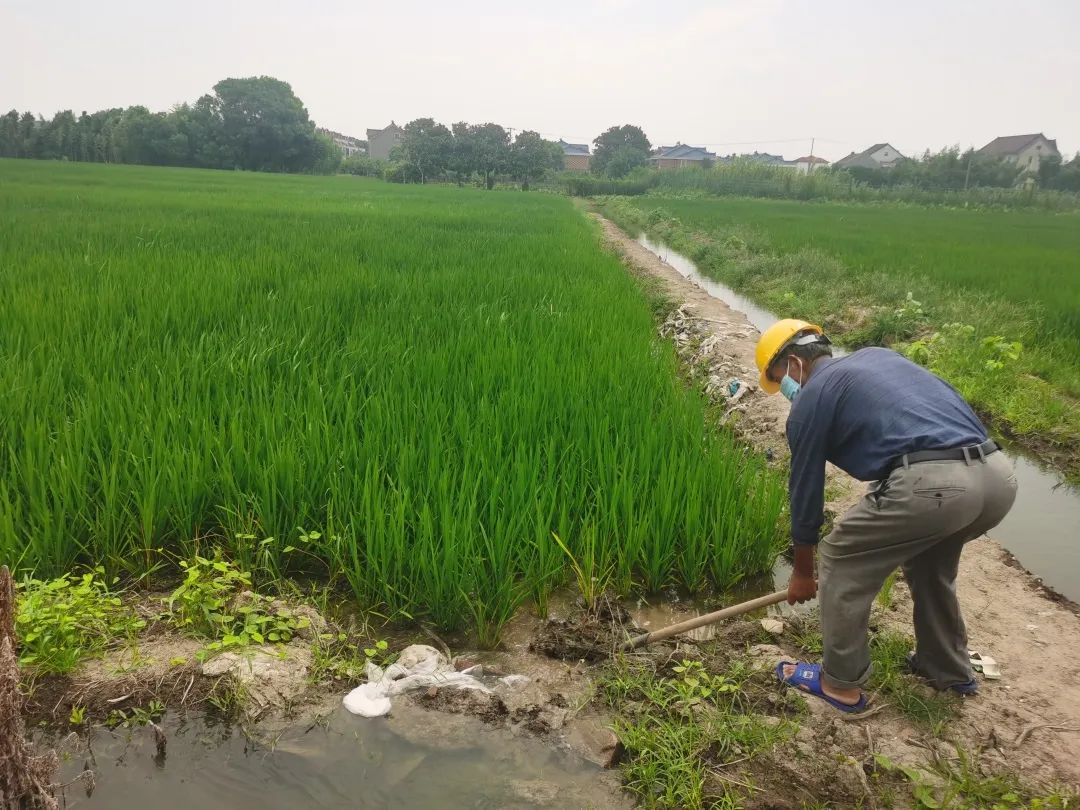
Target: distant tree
266 125
491 147
531 157
1059 175
428 146
28 135
10 142
1049 171
628 140
327 155
463 153
203 125
624 160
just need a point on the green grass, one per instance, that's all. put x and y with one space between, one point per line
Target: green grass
1012 276
405 388
681 722
1024 256
923 705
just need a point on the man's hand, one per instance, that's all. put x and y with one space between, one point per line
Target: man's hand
800 588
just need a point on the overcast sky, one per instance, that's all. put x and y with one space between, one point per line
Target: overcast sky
733 76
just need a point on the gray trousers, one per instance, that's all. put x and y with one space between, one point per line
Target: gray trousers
919 518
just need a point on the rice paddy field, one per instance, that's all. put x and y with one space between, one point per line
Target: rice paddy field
409 391
1023 256
989 299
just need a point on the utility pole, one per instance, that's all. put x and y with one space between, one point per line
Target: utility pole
967 174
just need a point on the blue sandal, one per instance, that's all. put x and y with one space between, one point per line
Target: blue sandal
967 689
807 678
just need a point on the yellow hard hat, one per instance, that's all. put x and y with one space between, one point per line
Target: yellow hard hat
773 341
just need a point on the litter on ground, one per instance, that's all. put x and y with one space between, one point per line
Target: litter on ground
419 666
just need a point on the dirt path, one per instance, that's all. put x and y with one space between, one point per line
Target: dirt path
1036 641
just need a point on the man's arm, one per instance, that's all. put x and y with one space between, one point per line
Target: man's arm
806 490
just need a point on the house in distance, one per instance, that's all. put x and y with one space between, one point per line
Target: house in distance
576 156
382 141
878 156
681 155
805 165
1026 151
348 145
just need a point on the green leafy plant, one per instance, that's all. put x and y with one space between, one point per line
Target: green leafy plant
215 602
77 717
1002 351
377 653
695 685
61 621
138 716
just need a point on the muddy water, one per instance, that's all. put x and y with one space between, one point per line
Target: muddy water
414 759
1043 528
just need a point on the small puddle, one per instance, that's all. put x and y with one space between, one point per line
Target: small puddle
1042 528
414 759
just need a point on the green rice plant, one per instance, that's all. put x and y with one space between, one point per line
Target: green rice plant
429 380
592 573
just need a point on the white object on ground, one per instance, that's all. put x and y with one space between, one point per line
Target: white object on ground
514 681
985 664
419 666
774 626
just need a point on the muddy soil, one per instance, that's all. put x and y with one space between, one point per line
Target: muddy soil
1028 720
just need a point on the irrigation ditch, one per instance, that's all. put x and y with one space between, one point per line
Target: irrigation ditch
694 722
1040 529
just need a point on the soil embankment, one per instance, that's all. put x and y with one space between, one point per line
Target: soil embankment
1031 717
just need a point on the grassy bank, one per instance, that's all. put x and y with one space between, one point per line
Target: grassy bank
409 390
751 179
989 300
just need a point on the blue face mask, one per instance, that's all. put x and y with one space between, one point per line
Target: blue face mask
789 387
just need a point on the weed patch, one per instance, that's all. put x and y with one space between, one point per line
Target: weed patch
680 723
64 620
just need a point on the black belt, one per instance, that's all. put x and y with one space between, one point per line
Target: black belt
971 453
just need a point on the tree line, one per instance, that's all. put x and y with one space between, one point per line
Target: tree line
430 151
254 123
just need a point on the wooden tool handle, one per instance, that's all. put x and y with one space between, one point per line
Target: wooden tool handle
701 621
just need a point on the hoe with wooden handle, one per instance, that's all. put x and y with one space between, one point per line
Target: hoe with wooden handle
701 621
